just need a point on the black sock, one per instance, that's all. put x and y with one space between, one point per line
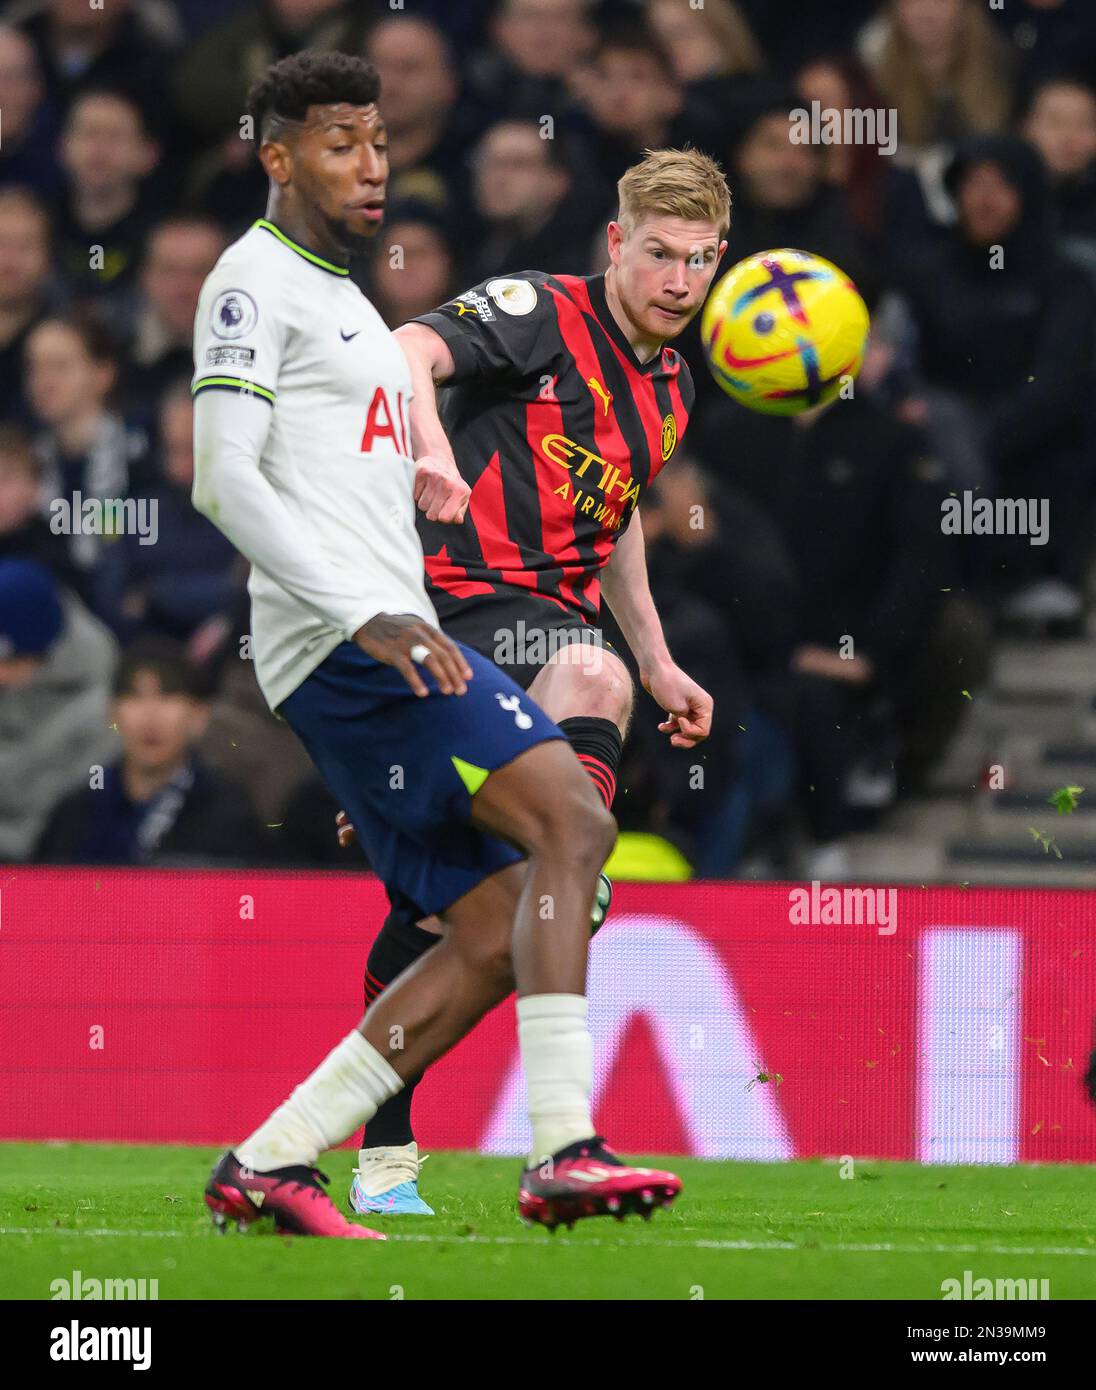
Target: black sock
599 745
398 945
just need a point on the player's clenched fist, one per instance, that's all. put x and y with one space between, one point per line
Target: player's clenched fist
406 642
440 491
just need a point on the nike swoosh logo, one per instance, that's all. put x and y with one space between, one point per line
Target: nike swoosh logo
347 336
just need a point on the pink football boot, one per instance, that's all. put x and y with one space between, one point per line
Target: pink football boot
292 1197
587 1179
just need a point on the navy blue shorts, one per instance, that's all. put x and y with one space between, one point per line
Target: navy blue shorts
405 768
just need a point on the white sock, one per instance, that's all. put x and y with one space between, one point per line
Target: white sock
558 1057
348 1088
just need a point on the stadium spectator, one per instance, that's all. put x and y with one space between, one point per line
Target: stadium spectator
55 666
189 573
413 271
429 133
715 58
781 198
1004 331
105 212
631 97
122 45
534 47
659 791
856 501
24 533
795 31
1061 124
242 740
943 66
708 542
158 803
712 42
210 83
88 451
1045 36
28 155
24 280
841 83
533 211
179 254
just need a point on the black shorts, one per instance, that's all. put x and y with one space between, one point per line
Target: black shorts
518 632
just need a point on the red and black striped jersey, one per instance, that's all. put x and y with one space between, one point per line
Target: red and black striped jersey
556 427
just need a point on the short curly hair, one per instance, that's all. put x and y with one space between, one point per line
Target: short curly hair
310 78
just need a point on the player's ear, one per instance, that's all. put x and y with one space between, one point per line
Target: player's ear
275 157
615 236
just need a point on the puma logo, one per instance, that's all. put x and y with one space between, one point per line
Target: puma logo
600 391
512 704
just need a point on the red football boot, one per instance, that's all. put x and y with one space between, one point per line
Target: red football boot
587 1179
292 1197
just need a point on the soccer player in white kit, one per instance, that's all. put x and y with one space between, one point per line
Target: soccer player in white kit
303 459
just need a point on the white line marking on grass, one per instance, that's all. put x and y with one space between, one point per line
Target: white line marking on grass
834 1247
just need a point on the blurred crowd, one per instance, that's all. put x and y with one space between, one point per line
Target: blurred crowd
817 597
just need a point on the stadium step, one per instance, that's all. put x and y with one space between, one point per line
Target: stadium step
1036 718
979 862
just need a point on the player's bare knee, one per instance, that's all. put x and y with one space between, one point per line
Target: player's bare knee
613 694
575 826
602 830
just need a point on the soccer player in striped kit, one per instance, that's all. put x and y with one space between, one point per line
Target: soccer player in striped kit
560 401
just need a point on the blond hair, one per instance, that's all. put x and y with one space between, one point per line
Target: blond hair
674 183
976 81
734 49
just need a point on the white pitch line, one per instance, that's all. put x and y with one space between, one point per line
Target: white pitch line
836 1247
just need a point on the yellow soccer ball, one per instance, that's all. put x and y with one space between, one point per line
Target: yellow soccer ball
783 331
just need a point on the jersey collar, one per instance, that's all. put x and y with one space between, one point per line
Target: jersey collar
604 315
309 256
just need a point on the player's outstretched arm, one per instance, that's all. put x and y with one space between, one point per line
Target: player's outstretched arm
440 491
625 588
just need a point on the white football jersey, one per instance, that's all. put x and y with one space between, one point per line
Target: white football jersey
337 545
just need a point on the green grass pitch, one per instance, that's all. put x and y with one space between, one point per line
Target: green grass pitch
739 1230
